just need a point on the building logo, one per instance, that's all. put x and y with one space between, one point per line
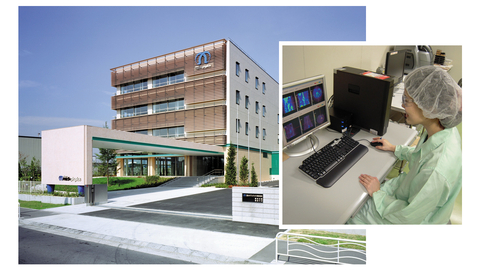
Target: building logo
206 56
67 178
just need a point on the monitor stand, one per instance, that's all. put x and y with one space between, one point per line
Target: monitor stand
303 147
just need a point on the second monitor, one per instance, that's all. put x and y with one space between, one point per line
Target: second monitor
304 112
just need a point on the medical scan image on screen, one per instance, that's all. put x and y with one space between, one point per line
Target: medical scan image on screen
304 109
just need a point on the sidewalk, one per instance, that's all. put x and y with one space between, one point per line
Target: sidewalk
159 221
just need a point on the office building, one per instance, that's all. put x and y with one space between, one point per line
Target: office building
212 93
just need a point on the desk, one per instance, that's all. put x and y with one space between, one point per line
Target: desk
305 202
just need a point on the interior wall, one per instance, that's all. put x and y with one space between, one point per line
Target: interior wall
301 62
453 53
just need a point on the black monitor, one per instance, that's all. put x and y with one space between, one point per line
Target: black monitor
304 112
365 94
395 65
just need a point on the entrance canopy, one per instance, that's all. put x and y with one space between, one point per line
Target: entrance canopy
67 152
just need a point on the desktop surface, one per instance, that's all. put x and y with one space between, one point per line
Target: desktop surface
305 202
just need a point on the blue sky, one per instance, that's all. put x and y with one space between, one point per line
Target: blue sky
66 53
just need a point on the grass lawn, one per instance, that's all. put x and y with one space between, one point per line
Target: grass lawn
119 183
327 234
38 205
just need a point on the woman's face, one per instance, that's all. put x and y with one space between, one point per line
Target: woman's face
413 114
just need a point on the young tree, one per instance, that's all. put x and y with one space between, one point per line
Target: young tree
244 171
22 166
34 170
231 169
254 177
108 160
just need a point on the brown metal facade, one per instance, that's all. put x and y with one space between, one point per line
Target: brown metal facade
176 61
194 120
202 124
197 91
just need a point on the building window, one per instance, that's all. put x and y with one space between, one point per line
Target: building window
170 132
171 105
257 107
169 166
238 97
256 83
134 111
238 126
145 132
264 111
237 71
135 166
166 79
265 154
246 128
247 101
264 134
257 132
134 86
247 75
264 88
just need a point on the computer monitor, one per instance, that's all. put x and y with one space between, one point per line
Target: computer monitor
395 65
304 112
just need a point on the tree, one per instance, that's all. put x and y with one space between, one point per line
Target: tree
254 177
108 160
231 169
34 170
22 166
244 171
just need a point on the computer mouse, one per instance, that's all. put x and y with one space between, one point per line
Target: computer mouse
375 144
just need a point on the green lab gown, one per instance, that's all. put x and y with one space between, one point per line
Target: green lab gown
424 195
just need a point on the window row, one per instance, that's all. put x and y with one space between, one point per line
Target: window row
168 79
247 78
134 86
164 166
247 104
171 105
162 80
170 132
257 130
134 111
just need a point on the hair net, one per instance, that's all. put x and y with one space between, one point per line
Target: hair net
437 94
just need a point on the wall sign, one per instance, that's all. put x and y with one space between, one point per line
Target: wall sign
247 197
206 57
67 178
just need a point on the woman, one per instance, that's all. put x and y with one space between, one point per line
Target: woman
427 193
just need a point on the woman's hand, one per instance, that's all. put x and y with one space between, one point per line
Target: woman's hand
387 146
370 183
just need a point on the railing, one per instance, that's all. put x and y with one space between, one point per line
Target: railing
312 250
31 187
208 177
214 172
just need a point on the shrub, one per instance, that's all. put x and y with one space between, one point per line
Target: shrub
231 169
244 171
254 182
152 179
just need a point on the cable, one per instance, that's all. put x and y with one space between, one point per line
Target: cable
311 142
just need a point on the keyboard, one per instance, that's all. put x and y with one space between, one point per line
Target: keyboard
330 163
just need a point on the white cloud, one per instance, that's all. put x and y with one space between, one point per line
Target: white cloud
27 84
24 52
